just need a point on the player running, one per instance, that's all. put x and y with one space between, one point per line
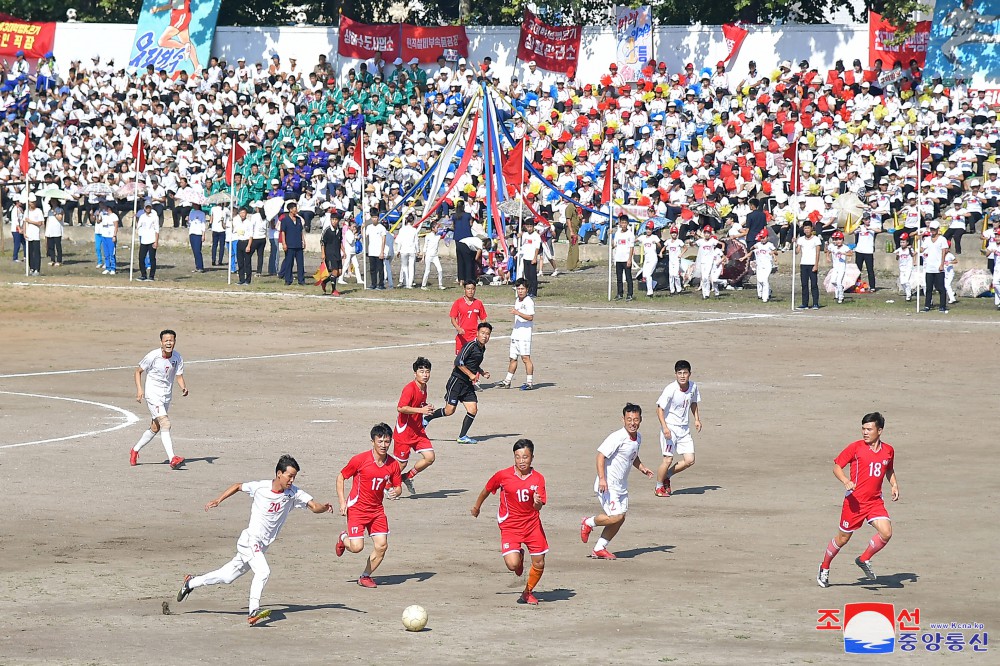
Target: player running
373 476
410 434
616 456
520 336
870 462
672 408
466 313
271 502
522 496
162 366
468 364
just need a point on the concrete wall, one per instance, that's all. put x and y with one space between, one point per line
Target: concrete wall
822 45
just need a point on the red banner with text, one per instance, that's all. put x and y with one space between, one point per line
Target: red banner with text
881 34
35 39
554 48
360 40
427 44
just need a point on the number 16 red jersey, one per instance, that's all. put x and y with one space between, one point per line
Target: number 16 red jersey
369 481
516 511
868 469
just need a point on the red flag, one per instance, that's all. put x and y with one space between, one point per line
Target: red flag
139 152
608 190
358 156
236 154
513 165
792 153
26 148
734 36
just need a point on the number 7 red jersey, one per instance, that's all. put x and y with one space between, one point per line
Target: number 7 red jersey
868 469
369 481
517 498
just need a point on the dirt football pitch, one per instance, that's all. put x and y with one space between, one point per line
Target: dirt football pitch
92 551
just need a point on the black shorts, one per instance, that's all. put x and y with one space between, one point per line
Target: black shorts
459 390
333 262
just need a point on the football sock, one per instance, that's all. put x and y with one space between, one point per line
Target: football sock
438 413
534 575
831 552
466 424
601 544
412 473
510 376
591 522
146 438
168 444
531 379
876 544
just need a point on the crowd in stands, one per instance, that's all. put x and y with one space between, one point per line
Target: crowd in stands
692 147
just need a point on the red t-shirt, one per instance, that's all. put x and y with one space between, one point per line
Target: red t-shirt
517 498
369 481
868 469
410 427
469 314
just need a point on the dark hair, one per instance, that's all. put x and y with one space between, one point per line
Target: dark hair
168 331
524 444
485 324
807 224
421 362
381 430
286 461
631 409
874 417
520 282
682 365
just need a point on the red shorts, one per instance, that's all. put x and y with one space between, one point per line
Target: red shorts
855 514
359 523
401 450
533 539
180 19
462 339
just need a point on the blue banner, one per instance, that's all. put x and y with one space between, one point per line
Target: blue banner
174 35
965 40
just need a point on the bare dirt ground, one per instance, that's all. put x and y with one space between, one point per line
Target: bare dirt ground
720 573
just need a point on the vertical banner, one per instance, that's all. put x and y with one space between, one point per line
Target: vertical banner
35 39
174 35
634 35
553 48
882 44
963 39
363 41
734 36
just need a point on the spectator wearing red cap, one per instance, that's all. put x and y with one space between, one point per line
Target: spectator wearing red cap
616 79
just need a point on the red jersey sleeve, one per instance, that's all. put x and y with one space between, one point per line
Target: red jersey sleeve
493 485
351 468
482 311
541 490
406 397
395 476
455 312
846 455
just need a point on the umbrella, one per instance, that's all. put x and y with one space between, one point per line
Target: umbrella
974 282
849 209
272 207
850 278
707 211
130 189
219 198
98 190
193 195
55 193
515 208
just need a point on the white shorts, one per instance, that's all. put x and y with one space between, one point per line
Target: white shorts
612 504
680 442
547 250
520 348
158 407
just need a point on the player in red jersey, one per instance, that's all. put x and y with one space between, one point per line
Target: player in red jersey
870 461
410 433
466 313
371 472
522 496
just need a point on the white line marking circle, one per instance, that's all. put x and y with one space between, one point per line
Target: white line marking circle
129 417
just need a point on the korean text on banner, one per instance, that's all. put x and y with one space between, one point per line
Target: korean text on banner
881 44
35 39
361 40
734 36
553 48
426 44
634 33
174 35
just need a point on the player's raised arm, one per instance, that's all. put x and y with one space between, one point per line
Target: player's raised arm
230 491
316 507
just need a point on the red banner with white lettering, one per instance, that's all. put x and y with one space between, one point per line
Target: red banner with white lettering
35 39
360 40
554 48
881 32
427 44
734 36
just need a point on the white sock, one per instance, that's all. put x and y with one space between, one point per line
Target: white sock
146 438
531 379
510 376
601 544
168 443
591 522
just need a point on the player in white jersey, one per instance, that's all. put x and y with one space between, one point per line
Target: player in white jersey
650 243
950 261
272 501
162 366
520 336
764 253
616 456
675 249
708 256
678 398
904 257
839 254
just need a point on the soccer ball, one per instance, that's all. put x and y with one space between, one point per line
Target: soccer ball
414 618
300 18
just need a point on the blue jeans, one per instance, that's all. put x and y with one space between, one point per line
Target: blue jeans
108 247
218 247
99 249
196 241
18 243
272 257
232 256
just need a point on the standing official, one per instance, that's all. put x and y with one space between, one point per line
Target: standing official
148 229
292 230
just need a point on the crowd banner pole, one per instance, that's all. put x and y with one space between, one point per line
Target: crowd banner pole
795 222
611 219
232 219
135 214
364 212
27 196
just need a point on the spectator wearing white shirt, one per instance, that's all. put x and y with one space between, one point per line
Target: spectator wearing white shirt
933 250
147 227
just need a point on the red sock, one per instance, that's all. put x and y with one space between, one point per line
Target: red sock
412 473
876 544
831 552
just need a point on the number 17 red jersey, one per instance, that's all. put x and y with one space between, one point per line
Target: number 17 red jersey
517 499
868 469
369 481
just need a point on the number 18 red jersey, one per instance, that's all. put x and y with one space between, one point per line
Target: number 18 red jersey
868 469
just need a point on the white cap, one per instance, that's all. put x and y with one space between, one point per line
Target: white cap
414 61
828 199
461 61
397 62
532 63
934 225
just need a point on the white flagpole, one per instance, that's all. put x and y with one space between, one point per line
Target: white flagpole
24 215
520 217
364 211
135 210
795 223
232 200
920 215
611 219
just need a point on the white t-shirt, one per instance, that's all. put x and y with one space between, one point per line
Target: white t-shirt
53 227
31 231
160 374
838 257
866 240
905 256
650 248
406 239
147 227
431 243
808 248
933 252
522 326
619 451
763 255
375 236
269 510
676 405
106 224
949 266
706 249
675 247
624 242
531 244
